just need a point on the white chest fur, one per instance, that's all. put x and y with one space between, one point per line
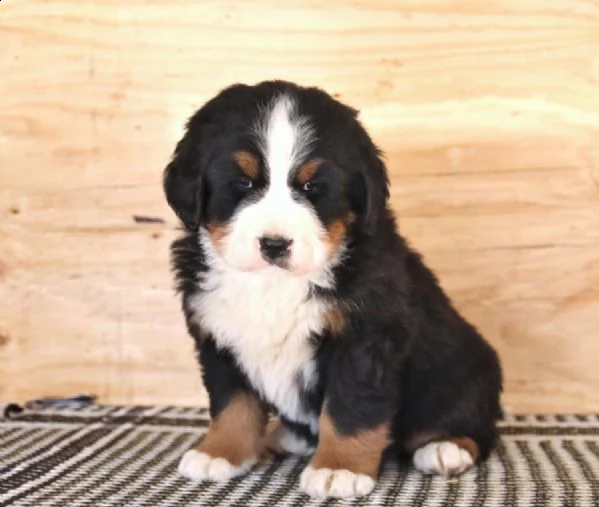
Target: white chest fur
266 320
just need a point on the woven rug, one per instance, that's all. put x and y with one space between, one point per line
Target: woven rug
116 456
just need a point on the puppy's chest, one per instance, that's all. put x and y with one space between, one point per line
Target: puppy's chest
267 323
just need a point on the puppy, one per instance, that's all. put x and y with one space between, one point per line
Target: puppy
304 301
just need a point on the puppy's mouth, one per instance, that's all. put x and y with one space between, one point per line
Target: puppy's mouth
282 262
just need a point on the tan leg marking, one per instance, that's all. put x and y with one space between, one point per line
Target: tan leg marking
236 433
231 446
344 466
360 453
467 444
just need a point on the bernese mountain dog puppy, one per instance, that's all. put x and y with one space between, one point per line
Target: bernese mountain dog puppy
305 302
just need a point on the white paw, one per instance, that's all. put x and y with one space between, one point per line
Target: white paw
322 482
442 458
281 439
198 466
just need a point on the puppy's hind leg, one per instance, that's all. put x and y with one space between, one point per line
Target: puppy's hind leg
449 456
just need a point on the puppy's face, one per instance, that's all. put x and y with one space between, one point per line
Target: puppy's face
273 176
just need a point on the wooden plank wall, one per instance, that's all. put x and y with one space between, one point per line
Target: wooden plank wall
488 113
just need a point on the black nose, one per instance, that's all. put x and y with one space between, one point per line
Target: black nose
274 247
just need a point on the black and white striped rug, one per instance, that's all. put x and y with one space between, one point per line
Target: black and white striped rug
127 456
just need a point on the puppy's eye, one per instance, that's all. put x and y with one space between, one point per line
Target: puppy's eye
244 183
310 187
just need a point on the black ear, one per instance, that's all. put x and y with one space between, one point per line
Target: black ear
376 188
371 188
183 183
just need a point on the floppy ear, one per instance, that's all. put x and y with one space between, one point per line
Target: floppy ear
371 190
182 182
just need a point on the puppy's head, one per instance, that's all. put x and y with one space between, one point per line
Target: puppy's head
275 175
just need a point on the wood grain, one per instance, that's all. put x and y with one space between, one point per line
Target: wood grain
488 113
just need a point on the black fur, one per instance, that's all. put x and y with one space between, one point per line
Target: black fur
405 355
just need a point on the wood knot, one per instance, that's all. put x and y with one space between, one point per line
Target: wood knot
4 339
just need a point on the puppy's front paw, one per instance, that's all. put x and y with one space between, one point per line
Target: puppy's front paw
199 466
444 458
323 482
281 440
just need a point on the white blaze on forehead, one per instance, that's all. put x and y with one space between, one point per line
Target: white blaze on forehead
285 139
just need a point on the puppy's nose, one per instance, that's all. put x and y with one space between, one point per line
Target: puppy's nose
274 247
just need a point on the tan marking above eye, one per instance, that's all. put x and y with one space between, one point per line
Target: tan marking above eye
248 163
307 171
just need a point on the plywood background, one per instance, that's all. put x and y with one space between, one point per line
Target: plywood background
488 113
